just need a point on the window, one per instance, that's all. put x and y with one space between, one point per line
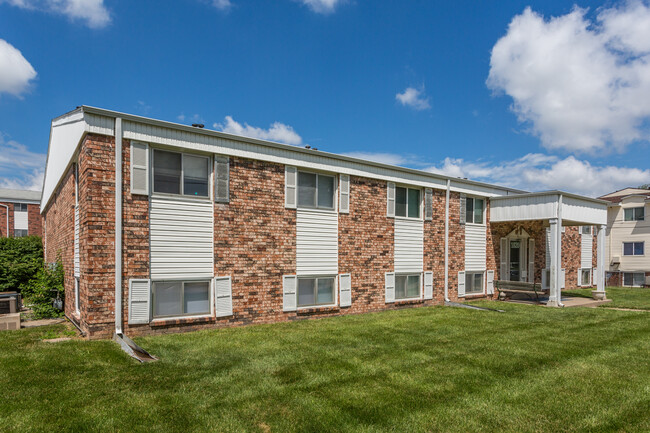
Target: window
633 279
633 248
585 277
473 282
181 298
474 210
407 202
315 291
634 214
585 230
20 207
170 167
407 286
20 233
315 190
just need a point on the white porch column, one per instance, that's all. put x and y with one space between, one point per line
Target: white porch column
554 283
599 293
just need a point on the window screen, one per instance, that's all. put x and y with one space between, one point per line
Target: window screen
167 169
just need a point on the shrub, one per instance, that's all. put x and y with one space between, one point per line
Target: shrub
20 260
41 290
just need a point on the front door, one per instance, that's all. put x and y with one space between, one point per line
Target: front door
515 260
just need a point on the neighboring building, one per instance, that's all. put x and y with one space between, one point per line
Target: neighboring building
20 213
628 237
207 229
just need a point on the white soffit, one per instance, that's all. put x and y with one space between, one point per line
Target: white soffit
576 210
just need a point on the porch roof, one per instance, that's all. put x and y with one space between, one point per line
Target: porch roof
573 209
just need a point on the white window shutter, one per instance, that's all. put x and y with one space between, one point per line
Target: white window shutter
503 269
290 187
428 204
390 287
461 283
221 179
390 202
489 282
531 260
345 290
594 277
139 301
139 168
289 296
579 277
223 296
463 207
428 285
344 193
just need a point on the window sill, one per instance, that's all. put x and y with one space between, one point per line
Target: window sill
167 321
316 210
307 311
179 196
407 218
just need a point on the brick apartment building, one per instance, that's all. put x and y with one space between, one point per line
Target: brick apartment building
163 227
20 213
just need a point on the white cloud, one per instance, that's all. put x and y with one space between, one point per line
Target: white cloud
414 98
322 6
222 5
580 85
276 132
92 12
15 71
20 168
538 172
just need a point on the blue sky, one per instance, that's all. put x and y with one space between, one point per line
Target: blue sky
538 96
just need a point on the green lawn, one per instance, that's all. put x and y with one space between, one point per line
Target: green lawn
529 369
622 297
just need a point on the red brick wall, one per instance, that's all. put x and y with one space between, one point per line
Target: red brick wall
3 219
34 226
456 245
60 235
434 246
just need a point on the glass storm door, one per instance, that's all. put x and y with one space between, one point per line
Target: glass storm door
515 262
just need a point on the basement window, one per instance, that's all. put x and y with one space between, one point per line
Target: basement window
633 279
407 286
179 173
633 248
634 214
315 291
315 191
585 277
473 283
181 298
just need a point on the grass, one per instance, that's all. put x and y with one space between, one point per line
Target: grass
622 297
530 369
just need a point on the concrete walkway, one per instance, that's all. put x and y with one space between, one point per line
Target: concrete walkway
41 322
568 301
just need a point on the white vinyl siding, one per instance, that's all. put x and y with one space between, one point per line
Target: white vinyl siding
317 242
182 240
409 245
223 296
139 168
139 301
475 247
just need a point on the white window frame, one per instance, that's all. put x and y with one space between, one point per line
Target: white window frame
409 274
585 232
472 273
21 207
210 312
210 178
473 198
315 278
633 255
634 209
335 191
420 207
21 233
633 273
582 279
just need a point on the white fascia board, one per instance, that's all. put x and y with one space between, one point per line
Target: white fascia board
183 136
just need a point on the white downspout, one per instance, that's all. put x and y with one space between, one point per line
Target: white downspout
118 226
7 208
447 242
559 250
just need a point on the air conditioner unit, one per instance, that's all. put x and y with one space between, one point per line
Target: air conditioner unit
616 260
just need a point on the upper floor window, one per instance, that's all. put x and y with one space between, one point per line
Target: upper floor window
180 173
474 210
634 214
407 202
585 230
20 207
633 248
316 190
